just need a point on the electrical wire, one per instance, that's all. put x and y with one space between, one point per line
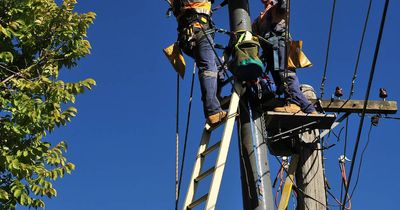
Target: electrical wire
359 50
361 160
300 190
327 50
372 72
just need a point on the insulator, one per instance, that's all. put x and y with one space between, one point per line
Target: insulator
383 93
375 120
339 92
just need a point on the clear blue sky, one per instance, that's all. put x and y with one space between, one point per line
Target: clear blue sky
123 138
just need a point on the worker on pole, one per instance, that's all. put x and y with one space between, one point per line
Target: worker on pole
272 26
196 39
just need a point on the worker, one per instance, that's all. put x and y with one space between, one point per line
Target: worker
271 26
194 22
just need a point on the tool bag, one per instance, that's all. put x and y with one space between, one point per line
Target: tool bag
246 64
175 57
297 58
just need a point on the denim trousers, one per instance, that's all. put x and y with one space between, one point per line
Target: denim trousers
292 91
205 59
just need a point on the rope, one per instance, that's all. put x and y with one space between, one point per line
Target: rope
186 136
286 58
177 144
287 21
327 50
344 153
359 51
367 93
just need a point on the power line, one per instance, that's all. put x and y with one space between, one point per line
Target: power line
359 50
327 50
372 72
361 160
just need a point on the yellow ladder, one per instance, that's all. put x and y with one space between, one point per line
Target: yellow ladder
218 169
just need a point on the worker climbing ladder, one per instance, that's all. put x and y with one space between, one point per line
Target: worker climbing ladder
205 149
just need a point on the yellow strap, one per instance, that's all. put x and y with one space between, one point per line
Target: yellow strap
287 188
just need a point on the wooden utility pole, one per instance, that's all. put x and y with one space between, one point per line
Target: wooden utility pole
310 177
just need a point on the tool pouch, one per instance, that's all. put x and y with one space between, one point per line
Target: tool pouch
297 58
175 57
246 64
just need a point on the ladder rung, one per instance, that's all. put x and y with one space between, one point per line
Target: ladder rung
204 174
210 149
197 202
210 128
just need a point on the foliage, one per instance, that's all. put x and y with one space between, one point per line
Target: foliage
38 38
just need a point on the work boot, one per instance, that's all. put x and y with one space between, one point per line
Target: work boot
216 118
290 108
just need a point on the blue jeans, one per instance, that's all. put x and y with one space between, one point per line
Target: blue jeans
292 92
205 59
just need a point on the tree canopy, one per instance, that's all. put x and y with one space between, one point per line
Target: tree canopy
38 39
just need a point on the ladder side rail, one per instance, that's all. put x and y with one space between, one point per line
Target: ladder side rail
197 168
225 141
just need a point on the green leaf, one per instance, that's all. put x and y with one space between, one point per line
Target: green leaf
17 193
6 57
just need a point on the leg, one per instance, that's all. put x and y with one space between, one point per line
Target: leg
291 85
208 73
295 95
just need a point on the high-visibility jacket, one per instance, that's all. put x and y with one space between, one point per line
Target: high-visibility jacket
197 6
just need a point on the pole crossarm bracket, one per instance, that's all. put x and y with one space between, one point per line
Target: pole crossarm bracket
356 106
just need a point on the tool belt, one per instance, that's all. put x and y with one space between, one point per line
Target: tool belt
191 28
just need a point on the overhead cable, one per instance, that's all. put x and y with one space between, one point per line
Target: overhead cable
359 51
371 77
327 50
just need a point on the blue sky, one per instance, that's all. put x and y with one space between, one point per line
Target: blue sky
123 138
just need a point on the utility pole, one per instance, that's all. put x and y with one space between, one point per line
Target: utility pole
254 166
310 177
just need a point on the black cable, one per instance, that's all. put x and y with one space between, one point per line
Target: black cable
359 51
295 186
367 96
361 160
186 135
327 49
